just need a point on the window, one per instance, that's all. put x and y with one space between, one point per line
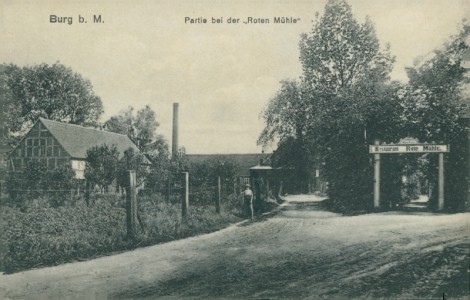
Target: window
79 168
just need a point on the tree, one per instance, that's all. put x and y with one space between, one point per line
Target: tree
101 165
286 114
433 100
340 52
334 113
141 129
204 175
288 117
432 107
166 171
131 160
50 91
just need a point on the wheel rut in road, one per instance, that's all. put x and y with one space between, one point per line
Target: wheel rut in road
299 251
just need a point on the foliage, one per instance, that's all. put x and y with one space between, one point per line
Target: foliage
288 117
131 161
212 168
35 182
53 91
295 157
433 101
432 106
50 236
163 221
35 170
203 179
336 110
287 114
345 101
141 129
340 52
165 171
101 165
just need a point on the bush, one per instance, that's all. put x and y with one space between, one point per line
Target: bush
49 236
35 236
35 184
163 221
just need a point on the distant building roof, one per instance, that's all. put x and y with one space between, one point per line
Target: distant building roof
76 140
244 161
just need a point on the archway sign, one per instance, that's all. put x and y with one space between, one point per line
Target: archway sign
407 145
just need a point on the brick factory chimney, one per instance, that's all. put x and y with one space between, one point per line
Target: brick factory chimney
174 144
3 131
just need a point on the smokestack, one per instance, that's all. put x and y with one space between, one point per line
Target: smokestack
4 132
174 144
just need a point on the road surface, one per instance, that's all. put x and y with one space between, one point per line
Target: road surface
302 251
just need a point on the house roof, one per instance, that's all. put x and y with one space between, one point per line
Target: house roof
244 161
76 140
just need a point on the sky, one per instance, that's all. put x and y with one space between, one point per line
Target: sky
221 74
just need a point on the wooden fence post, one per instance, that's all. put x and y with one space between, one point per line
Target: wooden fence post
131 205
217 201
185 194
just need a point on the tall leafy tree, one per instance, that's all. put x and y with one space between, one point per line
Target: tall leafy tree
51 91
347 70
432 109
339 51
288 117
433 100
344 85
141 129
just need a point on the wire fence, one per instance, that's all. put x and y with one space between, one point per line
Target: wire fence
202 190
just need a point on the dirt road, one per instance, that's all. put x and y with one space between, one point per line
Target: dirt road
300 252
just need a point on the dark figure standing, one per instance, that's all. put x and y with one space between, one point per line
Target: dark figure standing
247 195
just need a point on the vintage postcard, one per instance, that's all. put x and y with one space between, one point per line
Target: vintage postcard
314 149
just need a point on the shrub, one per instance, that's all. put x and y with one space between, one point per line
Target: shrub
35 185
35 236
163 221
49 236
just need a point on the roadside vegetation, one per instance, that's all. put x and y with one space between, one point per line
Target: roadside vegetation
46 221
45 236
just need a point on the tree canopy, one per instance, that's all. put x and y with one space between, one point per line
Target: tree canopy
288 117
339 51
344 100
141 129
433 100
53 91
323 120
